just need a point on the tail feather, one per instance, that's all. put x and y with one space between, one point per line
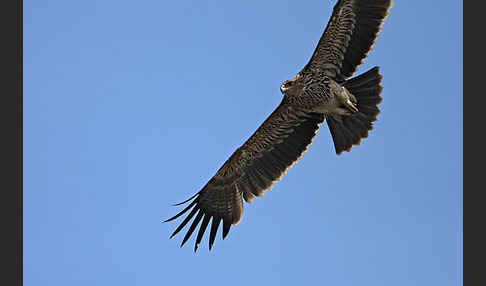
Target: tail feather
347 131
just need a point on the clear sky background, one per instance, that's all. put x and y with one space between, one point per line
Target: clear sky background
131 106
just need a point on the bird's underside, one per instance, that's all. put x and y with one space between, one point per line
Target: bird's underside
323 90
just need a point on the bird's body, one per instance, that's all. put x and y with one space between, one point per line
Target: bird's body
321 91
316 92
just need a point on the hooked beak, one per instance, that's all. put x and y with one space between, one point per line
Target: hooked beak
282 89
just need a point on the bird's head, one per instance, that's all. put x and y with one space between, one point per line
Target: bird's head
288 84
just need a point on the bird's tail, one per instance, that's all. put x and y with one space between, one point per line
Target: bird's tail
348 130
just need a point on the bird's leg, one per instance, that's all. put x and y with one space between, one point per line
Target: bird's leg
348 100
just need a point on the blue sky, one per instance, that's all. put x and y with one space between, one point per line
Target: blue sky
130 107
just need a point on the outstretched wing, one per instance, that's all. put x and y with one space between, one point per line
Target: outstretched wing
261 160
349 36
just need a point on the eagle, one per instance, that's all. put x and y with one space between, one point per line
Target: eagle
322 91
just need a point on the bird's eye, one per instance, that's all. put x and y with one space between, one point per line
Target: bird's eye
285 85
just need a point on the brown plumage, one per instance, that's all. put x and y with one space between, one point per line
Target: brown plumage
321 91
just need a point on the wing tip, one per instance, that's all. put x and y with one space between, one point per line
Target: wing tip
181 203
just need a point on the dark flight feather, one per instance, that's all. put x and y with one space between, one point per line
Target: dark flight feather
251 170
349 36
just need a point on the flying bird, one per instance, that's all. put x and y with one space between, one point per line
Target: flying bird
322 90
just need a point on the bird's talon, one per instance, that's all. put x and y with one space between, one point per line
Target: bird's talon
352 106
